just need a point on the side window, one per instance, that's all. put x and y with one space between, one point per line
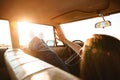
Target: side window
5 40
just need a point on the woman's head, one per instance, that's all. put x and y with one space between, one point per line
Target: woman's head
101 58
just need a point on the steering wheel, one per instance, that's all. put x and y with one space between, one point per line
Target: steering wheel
79 42
74 57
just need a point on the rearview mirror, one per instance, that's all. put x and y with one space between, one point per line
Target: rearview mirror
103 24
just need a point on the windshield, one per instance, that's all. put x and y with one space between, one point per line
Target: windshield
25 30
81 30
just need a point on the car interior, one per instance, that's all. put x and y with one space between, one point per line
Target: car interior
20 63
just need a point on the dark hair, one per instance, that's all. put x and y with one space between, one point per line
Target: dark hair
101 58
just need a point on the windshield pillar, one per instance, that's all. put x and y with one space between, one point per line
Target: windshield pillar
14 34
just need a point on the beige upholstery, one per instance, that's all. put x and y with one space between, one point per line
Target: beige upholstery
22 66
53 12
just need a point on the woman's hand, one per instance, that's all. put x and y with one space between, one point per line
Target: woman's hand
61 37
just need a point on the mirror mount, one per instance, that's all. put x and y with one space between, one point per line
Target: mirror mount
101 15
104 23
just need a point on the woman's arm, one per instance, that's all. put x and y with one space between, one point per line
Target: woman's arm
62 38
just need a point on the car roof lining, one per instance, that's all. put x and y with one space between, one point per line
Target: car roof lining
52 12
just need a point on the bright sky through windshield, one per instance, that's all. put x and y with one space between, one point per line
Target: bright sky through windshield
25 29
81 30
73 31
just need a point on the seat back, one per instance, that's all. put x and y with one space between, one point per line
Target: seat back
22 66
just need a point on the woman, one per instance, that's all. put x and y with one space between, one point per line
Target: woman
100 56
